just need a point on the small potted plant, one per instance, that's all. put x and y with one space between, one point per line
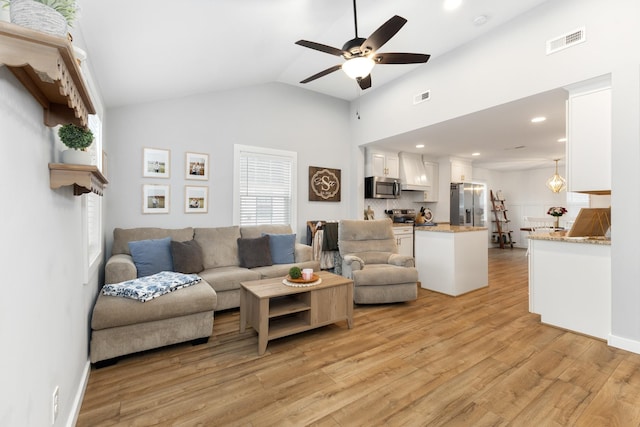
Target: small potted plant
78 139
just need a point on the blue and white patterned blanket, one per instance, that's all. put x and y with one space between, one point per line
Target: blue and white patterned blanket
146 288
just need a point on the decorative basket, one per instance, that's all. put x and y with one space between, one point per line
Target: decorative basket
39 17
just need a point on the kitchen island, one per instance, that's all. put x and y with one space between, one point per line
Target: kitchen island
570 282
452 259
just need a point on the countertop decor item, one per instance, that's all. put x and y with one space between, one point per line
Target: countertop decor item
556 212
369 214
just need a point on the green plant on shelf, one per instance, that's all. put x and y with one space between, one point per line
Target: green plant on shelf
75 137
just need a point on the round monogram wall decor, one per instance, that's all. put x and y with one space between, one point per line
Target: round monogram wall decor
324 184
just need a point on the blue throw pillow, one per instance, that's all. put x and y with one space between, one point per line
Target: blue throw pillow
283 248
151 256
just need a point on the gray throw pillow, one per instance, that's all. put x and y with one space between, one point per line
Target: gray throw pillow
254 252
187 257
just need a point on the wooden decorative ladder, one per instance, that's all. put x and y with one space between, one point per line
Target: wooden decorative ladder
502 232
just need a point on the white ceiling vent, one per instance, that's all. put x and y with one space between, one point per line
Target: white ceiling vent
421 97
566 40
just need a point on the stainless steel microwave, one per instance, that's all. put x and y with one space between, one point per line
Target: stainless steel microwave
378 187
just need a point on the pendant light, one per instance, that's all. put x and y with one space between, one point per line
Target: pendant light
556 183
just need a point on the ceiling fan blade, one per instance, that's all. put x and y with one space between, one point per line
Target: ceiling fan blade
400 58
322 73
382 34
365 82
321 47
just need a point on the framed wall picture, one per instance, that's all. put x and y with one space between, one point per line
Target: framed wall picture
196 199
324 184
155 163
155 199
197 166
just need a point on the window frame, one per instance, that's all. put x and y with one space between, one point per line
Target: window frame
92 203
239 149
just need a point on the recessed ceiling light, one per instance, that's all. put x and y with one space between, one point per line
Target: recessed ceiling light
539 119
420 146
475 154
451 4
562 140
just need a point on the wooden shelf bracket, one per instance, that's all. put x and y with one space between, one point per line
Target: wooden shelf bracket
84 179
47 68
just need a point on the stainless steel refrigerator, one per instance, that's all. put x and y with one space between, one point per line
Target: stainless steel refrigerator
468 204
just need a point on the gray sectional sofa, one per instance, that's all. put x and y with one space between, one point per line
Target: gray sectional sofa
122 326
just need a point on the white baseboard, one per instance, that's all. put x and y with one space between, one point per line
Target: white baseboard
77 401
624 343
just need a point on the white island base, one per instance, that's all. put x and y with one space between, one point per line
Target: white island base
570 284
452 260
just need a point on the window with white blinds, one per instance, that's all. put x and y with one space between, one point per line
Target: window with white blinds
93 202
265 186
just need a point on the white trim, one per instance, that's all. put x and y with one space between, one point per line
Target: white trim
624 343
85 241
79 397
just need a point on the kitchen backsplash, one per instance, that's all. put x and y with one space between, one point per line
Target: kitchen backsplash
380 205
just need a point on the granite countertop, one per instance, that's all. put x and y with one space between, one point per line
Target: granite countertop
562 238
446 228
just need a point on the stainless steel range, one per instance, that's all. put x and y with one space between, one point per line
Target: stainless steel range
405 216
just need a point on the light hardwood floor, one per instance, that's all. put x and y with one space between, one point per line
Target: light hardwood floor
480 359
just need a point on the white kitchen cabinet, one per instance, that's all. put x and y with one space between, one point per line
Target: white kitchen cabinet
461 171
431 195
381 163
404 239
589 141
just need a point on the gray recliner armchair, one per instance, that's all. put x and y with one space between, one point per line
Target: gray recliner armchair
370 257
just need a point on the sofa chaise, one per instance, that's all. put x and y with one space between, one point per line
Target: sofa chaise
229 255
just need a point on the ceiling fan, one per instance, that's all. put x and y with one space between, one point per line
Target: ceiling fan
361 54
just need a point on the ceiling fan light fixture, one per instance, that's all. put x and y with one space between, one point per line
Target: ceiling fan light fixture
556 183
358 67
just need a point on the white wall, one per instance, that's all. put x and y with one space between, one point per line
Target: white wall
45 306
510 63
272 115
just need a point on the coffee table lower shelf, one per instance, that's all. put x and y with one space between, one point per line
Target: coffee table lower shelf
275 310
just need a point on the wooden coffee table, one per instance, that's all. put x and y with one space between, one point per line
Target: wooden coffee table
276 310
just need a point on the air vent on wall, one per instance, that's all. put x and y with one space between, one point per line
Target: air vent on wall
421 97
566 40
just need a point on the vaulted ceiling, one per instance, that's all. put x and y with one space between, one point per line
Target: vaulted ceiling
149 50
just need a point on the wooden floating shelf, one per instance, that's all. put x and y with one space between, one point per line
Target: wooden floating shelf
84 178
48 69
